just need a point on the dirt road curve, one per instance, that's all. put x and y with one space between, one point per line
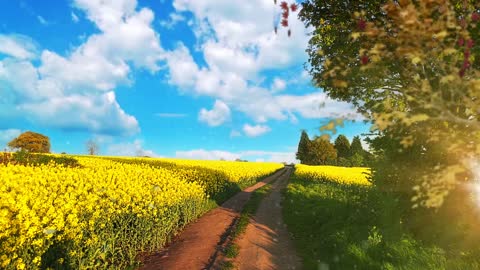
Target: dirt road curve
195 245
266 244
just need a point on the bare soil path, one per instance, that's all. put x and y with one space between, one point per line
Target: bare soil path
266 243
198 244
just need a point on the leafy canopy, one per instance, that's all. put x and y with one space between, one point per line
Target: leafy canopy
411 67
31 142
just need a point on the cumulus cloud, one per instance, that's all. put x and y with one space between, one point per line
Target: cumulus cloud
255 131
219 114
75 91
237 42
17 46
252 155
173 19
278 85
134 148
207 155
97 113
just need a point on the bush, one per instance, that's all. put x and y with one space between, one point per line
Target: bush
32 159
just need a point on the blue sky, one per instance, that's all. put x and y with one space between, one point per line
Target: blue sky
202 79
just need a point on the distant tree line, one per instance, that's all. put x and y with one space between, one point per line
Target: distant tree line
320 151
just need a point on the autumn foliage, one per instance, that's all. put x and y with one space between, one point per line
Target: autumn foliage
31 142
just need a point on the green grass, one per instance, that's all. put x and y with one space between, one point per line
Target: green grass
352 227
228 265
232 251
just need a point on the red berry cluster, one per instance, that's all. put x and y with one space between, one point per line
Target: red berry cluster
466 54
364 59
361 25
285 13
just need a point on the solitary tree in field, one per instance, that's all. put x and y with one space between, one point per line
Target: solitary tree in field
31 142
92 147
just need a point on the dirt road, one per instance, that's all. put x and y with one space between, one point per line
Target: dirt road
197 245
266 243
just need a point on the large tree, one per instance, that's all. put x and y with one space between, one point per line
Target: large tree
342 145
412 68
31 142
356 147
322 152
303 148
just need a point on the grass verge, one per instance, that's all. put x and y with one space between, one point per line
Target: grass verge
337 226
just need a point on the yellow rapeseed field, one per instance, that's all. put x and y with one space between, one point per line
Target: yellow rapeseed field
344 175
101 214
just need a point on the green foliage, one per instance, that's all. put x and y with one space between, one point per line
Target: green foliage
359 227
342 145
344 162
232 251
412 68
31 142
356 160
303 148
356 147
34 159
322 152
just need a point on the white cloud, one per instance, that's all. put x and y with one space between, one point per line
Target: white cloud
238 43
134 148
17 46
252 155
75 91
206 155
6 135
173 19
75 18
171 115
183 71
255 131
99 114
278 85
219 114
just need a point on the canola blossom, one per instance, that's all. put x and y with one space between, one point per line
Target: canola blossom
102 214
342 175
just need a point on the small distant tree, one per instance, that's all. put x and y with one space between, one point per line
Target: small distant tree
342 145
92 147
303 148
31 142
322 152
